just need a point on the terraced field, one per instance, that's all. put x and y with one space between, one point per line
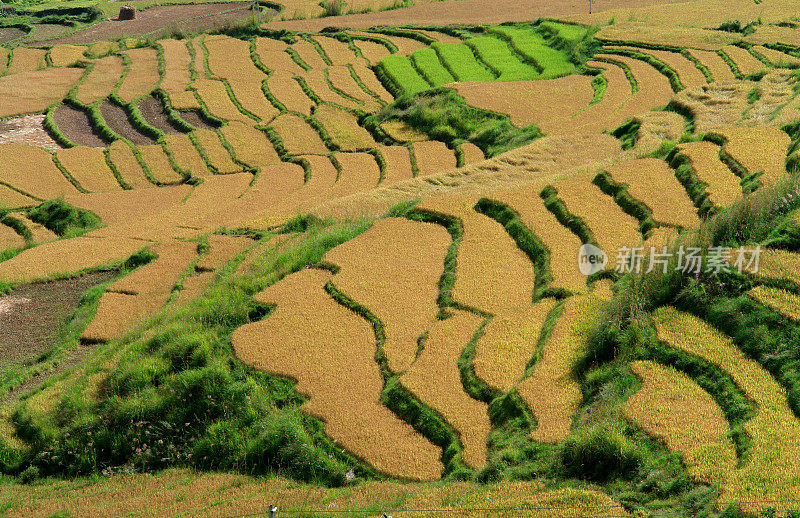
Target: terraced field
362 255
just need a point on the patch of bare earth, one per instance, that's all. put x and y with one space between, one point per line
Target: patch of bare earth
117 120
10 33
74 124
47 31
154 114
194 118
187 18
27 129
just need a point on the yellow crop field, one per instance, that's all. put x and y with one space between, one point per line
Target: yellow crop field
216 98
343 128
723 185
360 172
102 79
223 250
186 154
158 163
340 78
653 91
405 46
771 472
215 152
509 343
436 380
39 233
118 312
398 163
158 276
367 76
337 51
673 408
31 92
177 76
309 54
199 60
273 55
289 93
744 61
102 48
688 73
88 167
318 83
606 113
65 55
761 149
551 391
487 258
11 199
25 59
193 287
653 182
16 162
297 136
397 284
719 70
9 238
142 76
782 301
66 256
612 227
250 145
311 338
776 57
472 153
566 97
433 157
371 50
781 265
121 155
4 52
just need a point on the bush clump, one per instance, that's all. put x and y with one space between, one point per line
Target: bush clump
64 219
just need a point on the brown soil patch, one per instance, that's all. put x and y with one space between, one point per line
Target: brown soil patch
117 120
74 124
31 314
193 117
154 114
47 31
10 33
27 129
189 18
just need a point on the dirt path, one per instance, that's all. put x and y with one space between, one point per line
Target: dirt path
188 18
463 12
27 129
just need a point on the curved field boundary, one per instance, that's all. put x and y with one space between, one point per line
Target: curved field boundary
499 57
745 63
777 265
372 51
777 92
89 168
778 300
217 100
689 76
771 472
608 111
325 346
673 408
404 78
656 128
397 160
273 55
470 154
103 78
186 155
403 46
433 157
142 76
176 74
608 223
653 88
13 199
60 55
215 153
25 59
719 70
652 182
776 57
338 52
551 391
223 250
487 258
53 85
122 158
357 172
321 91
509 343
426 62
435 379
343 129
297 136
462 63
289 93
9 238
309 54
343 80
397 284
158 164
660 66
18 160
529 44
720 184
759 150
250 146
366 77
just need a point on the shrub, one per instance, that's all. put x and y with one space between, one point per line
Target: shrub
599 454
64 219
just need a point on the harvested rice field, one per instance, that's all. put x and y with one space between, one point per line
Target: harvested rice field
401 259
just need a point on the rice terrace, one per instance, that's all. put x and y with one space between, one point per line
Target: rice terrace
410 258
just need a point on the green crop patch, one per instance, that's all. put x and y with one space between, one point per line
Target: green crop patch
497 54
427 62
550 62
461 62
404 78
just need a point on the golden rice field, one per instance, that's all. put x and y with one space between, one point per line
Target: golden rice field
332 264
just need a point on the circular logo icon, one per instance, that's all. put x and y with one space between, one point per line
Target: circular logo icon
591 259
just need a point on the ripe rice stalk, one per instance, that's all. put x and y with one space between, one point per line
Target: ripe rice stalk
309 54
66 256
64 55
319 87
289 93
656 128
176 74
12 199
118 312
608 111
487 258
436 380
185 154
654 34
33 92
398 164
193 287
278 61
371 51
124 160
759 150
397 284
4 52
551 391
652 182
250 145
337 51
370 80
404 46
770 473
101 80
39 234
653 88
223 250
25 59
9 238
673 408
297 136
158 164
719 70
509 343
776 264
781 301
357 172
18 160
102 49
343 129
214 152
744 61
342 80
433 157
159 275
722 185
89 168
313 339
142 76
777 58
217 101
690 76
